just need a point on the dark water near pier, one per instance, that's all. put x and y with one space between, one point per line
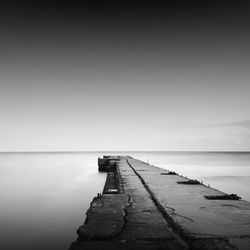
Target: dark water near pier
44 196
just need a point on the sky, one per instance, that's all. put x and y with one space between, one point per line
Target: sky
124 76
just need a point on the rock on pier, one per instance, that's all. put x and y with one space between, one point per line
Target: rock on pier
145 207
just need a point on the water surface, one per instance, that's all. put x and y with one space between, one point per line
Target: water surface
44 196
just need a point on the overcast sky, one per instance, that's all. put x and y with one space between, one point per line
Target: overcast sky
124 76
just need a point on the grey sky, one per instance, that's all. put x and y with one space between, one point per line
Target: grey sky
146 82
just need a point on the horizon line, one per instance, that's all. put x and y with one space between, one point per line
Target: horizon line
134 151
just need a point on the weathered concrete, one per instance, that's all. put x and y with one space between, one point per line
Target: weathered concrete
105 218
151 210
222 223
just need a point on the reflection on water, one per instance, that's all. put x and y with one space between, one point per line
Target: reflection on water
44 196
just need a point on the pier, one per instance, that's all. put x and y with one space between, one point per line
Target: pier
146 207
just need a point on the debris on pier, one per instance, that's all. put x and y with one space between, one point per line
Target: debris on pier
169 173
223 197
189 182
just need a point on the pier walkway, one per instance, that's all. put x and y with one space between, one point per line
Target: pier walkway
145 207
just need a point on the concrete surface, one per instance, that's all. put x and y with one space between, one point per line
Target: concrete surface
195 216
153 211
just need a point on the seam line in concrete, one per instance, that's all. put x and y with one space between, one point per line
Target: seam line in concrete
184 235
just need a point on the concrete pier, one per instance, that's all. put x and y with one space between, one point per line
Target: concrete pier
145 207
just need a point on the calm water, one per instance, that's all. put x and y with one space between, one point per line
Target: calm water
44 196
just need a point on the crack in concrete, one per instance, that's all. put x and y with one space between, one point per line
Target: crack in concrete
212 236
178 215
240 237
129 204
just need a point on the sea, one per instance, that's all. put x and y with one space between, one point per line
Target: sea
44 196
